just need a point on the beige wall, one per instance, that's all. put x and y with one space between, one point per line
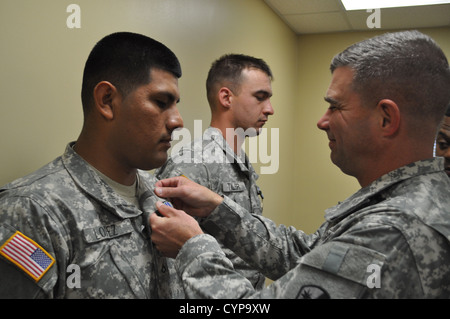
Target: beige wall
41 64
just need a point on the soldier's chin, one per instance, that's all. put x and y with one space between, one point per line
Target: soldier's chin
157 161
162 159
253 131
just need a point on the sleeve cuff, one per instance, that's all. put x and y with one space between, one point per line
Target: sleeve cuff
194 247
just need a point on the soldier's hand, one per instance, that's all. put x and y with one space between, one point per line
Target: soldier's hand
188 196
170 232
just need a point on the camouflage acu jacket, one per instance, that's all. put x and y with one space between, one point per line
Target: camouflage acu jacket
64 233
388 240
212 163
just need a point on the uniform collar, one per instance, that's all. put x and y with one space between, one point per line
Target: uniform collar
85 176
214 134
365 195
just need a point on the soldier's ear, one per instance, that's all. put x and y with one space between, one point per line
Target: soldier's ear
225 97
389 117
105 94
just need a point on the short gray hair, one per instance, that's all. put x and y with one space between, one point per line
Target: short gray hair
407 67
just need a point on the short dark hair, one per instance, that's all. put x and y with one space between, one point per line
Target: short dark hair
125 59
408 67
228 69
447 113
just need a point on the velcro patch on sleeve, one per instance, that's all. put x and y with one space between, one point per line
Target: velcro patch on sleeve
27 255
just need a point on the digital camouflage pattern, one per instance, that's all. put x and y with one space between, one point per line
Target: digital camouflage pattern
76 217
388 240
212 163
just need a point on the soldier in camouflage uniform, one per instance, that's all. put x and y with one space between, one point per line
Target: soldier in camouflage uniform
443 141
78 227
236 83
391 239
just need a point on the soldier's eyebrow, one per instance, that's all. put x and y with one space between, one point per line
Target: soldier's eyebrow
444 136
167 95
332 101
263 94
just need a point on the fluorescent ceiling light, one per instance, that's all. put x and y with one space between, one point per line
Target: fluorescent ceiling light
376 4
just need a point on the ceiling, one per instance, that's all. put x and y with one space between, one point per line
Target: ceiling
324 16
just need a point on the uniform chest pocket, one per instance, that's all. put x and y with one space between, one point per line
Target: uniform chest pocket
109 275
247 198
114 263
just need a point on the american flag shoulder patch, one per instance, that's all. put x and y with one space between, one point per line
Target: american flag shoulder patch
26 254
